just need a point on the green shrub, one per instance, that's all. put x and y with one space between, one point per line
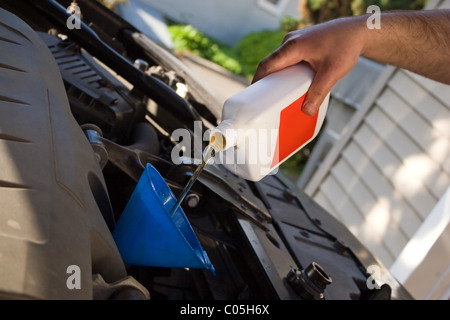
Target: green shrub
188 39
255 46
289 23
241 59
360 6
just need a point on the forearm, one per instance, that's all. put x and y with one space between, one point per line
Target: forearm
418 41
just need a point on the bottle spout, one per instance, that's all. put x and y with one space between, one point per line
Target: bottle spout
223 136
217 141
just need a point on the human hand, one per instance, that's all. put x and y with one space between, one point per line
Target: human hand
332 49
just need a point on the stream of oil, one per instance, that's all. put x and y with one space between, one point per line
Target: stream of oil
208 154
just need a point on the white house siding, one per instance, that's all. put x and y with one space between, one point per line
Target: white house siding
391 167
344 102
433 285
227 21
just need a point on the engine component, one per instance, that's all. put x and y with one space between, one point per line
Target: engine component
309 283
157 90
141 64
93 133
192 200
94 94
124 289
53 233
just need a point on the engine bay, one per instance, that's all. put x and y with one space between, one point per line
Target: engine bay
125 96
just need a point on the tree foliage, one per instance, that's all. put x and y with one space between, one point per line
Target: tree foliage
317 11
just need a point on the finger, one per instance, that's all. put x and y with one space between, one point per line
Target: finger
321 85
289 53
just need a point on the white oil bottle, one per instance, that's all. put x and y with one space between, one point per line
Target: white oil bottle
263 125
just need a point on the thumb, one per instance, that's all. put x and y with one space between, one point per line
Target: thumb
321 85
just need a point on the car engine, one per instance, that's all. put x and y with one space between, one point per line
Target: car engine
82 112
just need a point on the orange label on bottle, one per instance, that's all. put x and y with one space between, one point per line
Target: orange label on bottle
296 128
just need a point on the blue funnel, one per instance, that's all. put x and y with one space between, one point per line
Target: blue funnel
146 235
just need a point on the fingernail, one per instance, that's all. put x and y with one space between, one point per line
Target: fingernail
309 108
